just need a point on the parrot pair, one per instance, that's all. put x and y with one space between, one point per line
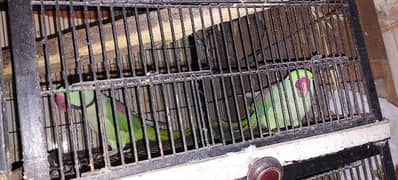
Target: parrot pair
296 86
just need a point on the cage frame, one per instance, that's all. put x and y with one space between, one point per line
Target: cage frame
32 134
27 89
336 160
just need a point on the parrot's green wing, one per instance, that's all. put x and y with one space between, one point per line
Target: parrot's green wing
271 111
136 123
261 107
120 110
257 107
110 125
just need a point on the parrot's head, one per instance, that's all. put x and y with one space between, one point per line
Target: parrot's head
74 99
302 81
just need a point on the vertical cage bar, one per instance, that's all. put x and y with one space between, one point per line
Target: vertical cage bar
28 89
351 48
247 63
295 111
69 116
58 137
276 73
201 122
257 107
127 97
231 79
156 61
224 93
261 43
234 40
313 49
115 112
386 160
186 84
82 93
268 75
206 95
284 51
138 91
4 153
359 40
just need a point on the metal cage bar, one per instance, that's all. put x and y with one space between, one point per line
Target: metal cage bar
368 161
28 89
5 164
363 55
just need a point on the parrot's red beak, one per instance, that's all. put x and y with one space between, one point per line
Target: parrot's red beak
60 101
302 86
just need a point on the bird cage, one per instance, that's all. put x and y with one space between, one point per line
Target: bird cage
106 89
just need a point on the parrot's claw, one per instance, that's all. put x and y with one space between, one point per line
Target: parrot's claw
126 150
113 152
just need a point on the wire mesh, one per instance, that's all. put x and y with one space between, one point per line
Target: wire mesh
368 168
130 81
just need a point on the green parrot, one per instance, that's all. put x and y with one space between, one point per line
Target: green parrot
91 109
295 87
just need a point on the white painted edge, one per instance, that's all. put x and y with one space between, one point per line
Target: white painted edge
235 165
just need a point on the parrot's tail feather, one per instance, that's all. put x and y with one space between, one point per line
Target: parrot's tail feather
235 125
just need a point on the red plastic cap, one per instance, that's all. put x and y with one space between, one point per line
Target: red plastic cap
267 168
269 174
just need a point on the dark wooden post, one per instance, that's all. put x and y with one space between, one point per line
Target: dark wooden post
372 97
26 81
